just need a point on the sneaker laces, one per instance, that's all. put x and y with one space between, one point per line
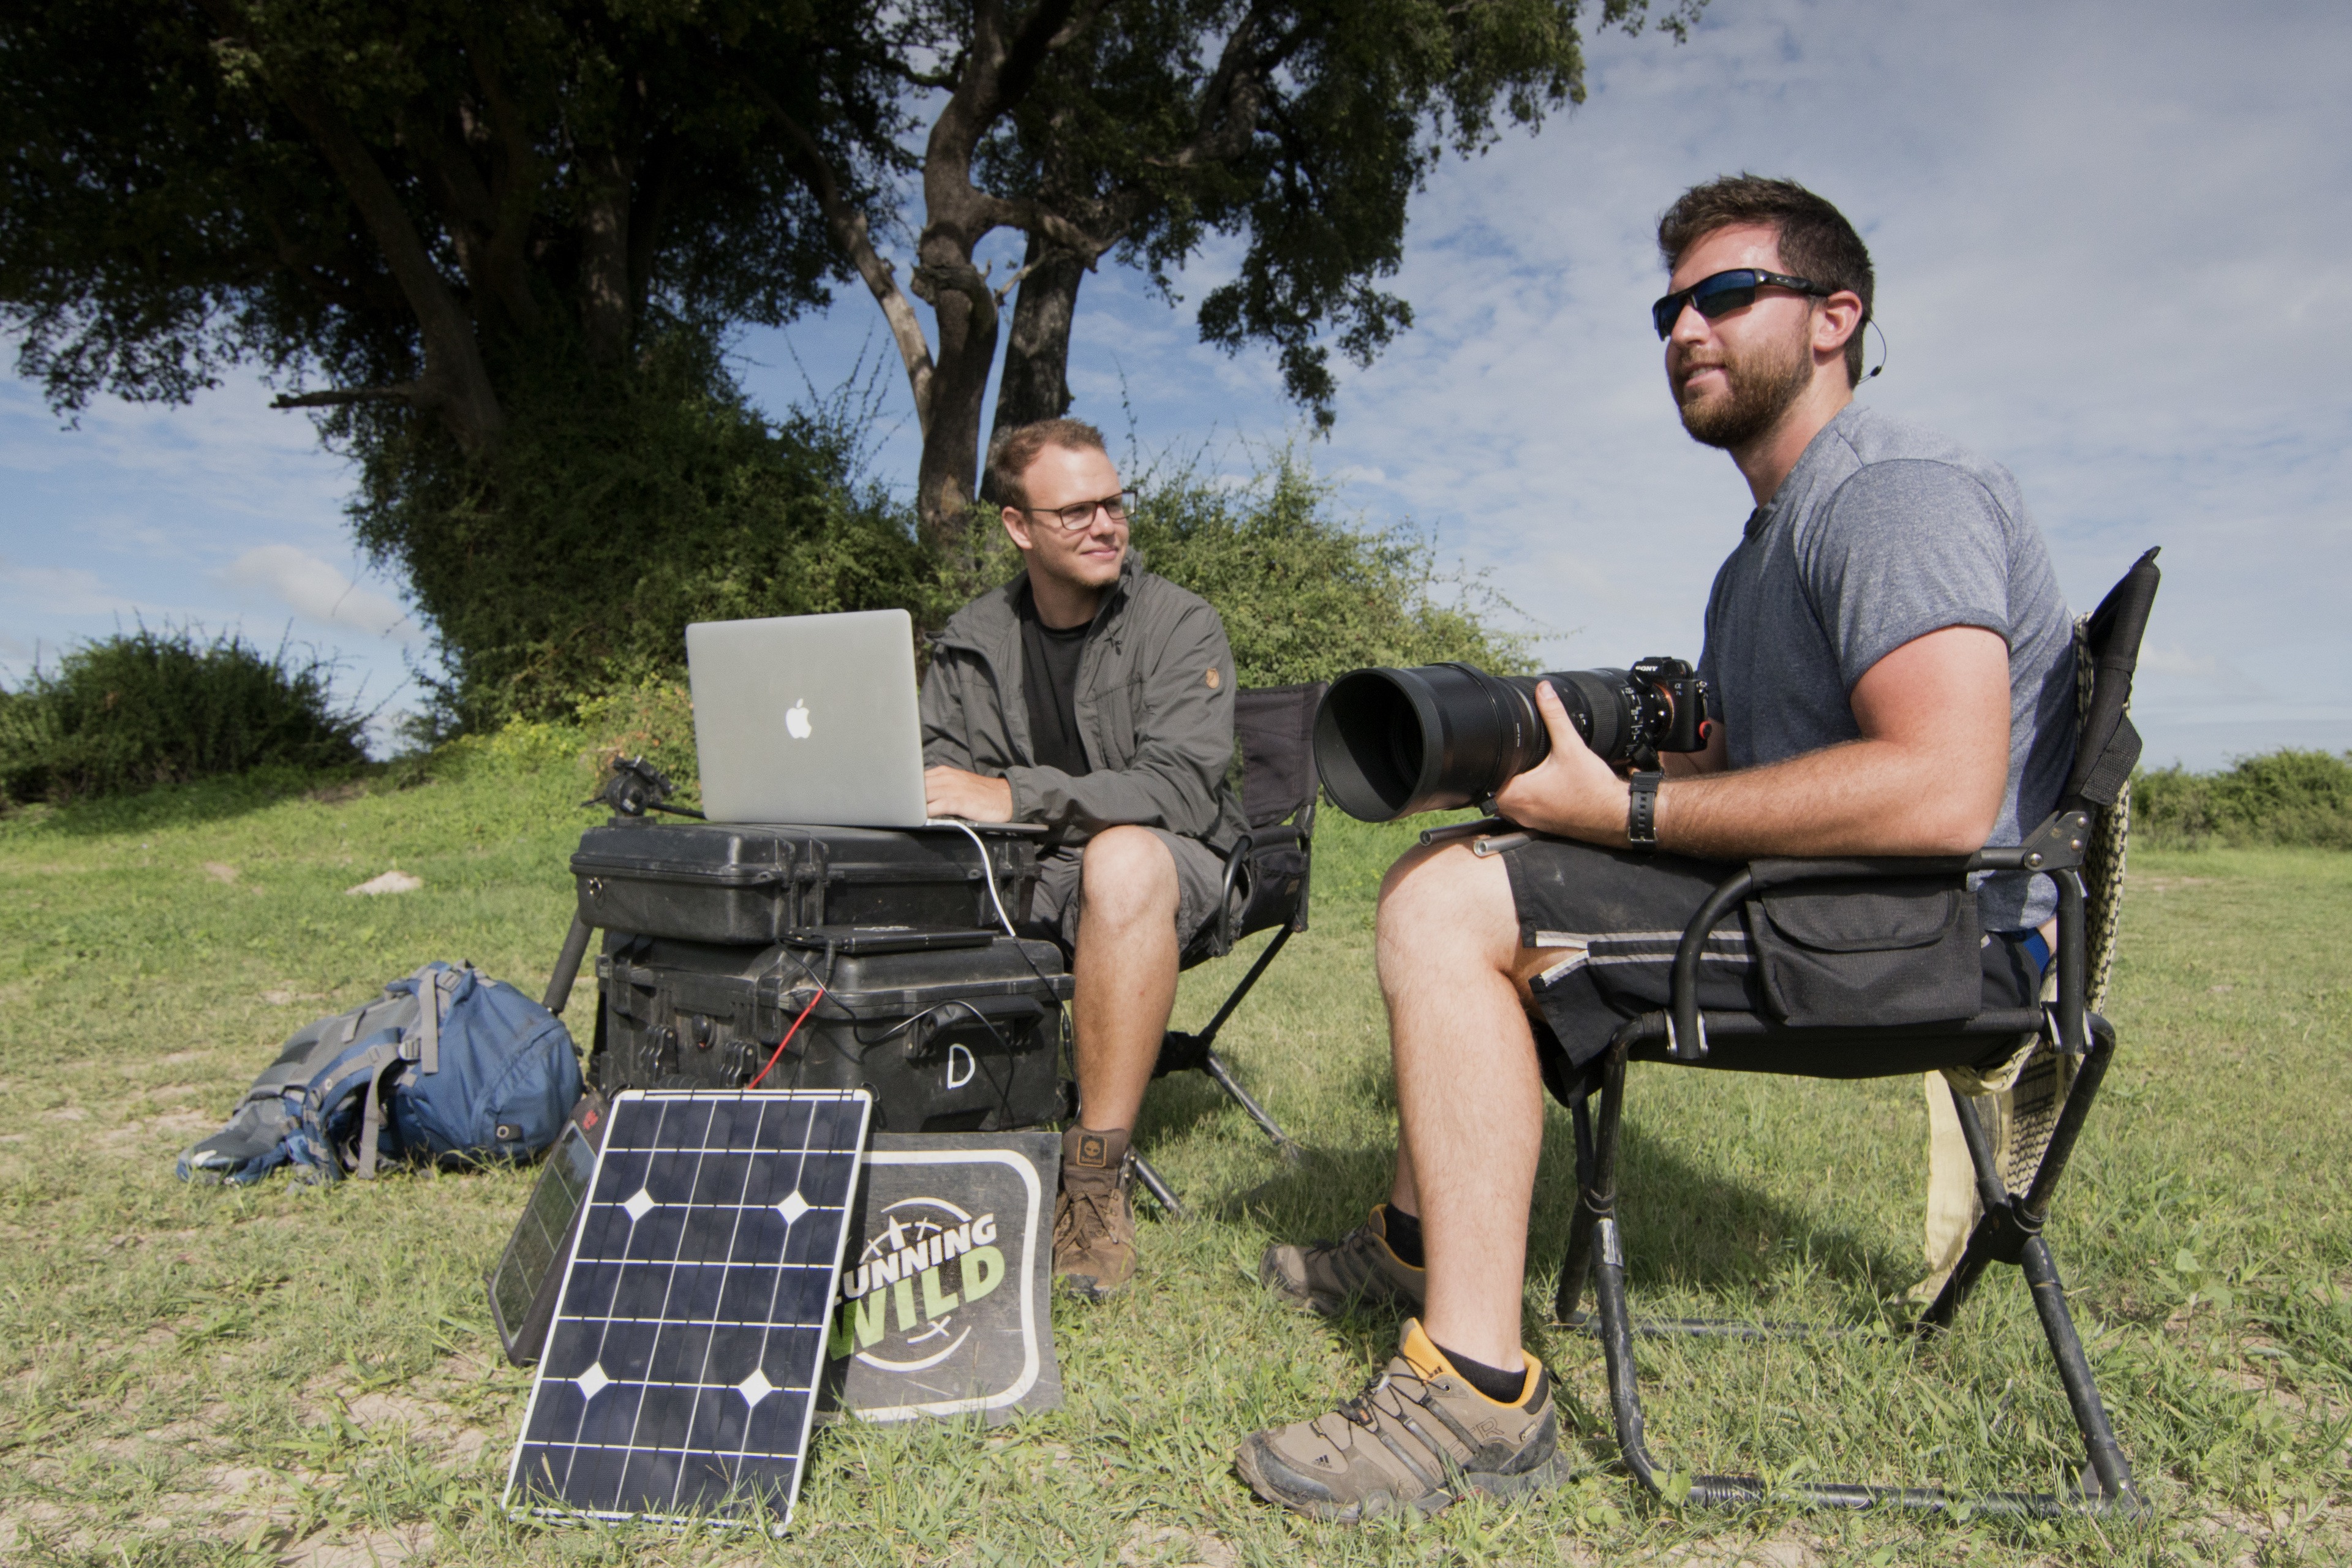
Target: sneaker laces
1083 1220
1365 1409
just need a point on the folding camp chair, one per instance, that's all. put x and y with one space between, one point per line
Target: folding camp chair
2084 834
1267 877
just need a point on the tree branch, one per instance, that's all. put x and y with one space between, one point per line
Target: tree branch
852 232
402 391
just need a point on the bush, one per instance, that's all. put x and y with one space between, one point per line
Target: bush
1305 595
2284 797
617 508
148 707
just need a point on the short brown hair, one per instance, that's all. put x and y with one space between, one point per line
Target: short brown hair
1012 452
1816 241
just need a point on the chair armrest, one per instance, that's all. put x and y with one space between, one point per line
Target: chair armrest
1234 860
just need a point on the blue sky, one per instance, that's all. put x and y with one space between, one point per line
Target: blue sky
2114 253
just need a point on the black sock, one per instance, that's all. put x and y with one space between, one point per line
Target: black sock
1402 1231
1502 1387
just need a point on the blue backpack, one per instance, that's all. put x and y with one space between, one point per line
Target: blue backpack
447 1065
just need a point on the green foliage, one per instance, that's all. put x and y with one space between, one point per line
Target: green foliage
1304 594
2284 797
147 708
616 509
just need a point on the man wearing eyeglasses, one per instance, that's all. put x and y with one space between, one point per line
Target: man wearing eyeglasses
1893 673
1093 696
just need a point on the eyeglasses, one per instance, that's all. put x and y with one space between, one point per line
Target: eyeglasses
1723 293
1081 515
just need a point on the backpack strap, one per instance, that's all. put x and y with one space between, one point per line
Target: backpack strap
360 1068
428 984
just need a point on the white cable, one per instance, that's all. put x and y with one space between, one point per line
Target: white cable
987 872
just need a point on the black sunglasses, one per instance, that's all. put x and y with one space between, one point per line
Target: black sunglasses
1725 292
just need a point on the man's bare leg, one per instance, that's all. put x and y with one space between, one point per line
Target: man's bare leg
1125 973
1469 1097
1126 984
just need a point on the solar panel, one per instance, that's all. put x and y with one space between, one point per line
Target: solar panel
523 1285
678 1376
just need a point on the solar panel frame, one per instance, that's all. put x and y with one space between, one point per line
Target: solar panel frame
712 1240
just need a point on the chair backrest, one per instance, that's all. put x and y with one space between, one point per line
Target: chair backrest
2107 653
1276 726
2105 746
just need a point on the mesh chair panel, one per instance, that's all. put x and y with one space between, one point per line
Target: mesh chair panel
2103 869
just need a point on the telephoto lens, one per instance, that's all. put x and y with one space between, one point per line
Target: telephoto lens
1391 742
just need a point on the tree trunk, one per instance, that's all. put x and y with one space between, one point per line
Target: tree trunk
604 293
966 310
1036 380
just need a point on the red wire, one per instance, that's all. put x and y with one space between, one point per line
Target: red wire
788 1035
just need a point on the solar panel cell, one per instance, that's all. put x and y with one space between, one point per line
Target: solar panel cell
678 1377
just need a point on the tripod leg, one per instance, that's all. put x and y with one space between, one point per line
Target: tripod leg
567 965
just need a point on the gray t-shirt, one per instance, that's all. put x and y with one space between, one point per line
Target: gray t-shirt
1885 531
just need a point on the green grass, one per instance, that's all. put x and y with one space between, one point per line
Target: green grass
193 1375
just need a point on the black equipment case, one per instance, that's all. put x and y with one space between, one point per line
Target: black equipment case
719 938
737 883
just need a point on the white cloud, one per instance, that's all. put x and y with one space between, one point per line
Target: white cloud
76 590
318 592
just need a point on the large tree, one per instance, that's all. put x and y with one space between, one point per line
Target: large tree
406 200
495 250
1139 128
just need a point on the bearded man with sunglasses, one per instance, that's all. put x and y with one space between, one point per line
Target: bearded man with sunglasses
1892 670
1090 696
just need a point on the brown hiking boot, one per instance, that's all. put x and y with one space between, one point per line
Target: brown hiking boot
1328 1275
1418 1435
1094 1218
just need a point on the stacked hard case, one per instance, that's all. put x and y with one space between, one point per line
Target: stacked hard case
885 948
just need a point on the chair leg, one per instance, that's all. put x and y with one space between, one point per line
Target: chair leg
1592 1201
1162 1193
1179 1051
2107 1455
1214 1066
1596 1245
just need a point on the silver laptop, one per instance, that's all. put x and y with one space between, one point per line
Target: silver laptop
808 719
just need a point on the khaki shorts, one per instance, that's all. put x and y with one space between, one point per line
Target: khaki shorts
1200 882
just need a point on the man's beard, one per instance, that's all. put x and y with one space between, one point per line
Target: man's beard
1764 383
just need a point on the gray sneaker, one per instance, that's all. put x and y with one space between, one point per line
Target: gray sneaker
1359 1266
1417 1436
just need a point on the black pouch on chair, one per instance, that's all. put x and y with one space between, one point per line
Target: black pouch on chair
1868 950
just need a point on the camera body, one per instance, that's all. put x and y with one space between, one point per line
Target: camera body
1390 742
1671 704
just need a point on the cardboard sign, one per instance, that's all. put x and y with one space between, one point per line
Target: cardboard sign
943 1307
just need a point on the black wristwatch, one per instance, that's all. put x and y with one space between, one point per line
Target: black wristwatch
1641 810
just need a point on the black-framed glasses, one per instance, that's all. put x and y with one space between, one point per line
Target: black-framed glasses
1725 292
1081 515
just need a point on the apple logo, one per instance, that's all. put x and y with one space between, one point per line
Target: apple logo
796 720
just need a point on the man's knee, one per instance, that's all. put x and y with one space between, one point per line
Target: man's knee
1445 905
1129 874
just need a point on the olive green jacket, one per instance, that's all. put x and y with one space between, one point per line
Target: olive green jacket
1155 709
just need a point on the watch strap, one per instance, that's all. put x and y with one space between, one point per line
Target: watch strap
1641 810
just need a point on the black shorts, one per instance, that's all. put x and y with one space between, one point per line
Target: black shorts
1617 917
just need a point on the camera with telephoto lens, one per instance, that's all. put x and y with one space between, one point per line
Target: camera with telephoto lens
1390 742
